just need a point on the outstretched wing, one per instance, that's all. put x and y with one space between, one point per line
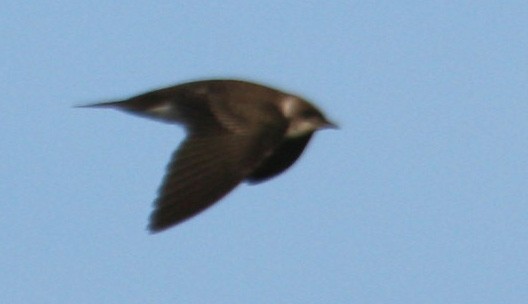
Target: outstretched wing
281 159
202 171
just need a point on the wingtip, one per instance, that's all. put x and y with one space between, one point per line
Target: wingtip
158 224
153 230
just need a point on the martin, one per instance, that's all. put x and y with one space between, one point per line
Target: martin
236 131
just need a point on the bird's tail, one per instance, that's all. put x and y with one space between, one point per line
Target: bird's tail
109 104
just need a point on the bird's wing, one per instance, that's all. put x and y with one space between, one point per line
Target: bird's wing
281 159
203 170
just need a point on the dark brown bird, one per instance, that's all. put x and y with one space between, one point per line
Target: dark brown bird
236 131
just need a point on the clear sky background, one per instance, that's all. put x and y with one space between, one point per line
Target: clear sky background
420 197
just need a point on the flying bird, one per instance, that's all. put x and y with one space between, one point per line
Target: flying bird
236 131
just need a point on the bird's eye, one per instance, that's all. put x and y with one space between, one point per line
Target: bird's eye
307 113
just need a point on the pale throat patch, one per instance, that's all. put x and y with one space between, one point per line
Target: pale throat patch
300 128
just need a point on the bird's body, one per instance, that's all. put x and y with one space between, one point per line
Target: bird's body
236 131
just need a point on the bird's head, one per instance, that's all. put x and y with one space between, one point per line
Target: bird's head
303 117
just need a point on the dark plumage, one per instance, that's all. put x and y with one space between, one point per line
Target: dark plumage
236 131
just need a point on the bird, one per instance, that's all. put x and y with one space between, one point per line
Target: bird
236 131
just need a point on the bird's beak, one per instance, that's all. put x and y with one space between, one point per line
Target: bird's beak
329 125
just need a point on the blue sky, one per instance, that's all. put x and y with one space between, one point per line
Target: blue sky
420 197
